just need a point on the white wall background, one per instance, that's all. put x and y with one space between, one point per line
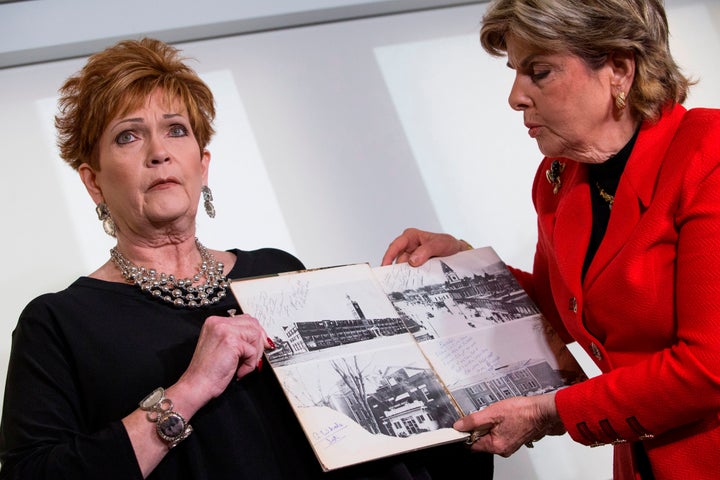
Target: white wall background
332 137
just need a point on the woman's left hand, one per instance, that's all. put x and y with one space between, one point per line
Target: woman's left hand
505 426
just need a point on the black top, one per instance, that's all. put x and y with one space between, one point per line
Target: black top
604 175
84 357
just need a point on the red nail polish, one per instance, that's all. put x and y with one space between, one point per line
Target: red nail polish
260 363
271 343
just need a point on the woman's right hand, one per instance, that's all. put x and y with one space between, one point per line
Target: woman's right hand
228 347
417 246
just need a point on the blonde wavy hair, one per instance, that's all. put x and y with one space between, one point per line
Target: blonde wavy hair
117 81
591 30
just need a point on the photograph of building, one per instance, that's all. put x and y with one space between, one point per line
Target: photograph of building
391 392
445 302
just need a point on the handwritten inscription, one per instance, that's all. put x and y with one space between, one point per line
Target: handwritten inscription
330 435
464 356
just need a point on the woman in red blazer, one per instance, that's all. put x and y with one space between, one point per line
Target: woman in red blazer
628 253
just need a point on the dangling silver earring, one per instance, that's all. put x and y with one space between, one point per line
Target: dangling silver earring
103 213
207 201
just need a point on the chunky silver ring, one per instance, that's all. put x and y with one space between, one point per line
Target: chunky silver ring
475 436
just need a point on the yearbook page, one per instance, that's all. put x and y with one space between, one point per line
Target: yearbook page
381 361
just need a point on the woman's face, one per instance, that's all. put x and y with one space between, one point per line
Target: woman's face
567 107
151 169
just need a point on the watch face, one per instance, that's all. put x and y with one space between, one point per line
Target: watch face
171 426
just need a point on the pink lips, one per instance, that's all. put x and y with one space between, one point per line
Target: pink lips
163 183
533 130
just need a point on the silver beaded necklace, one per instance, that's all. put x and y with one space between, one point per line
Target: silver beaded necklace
179 292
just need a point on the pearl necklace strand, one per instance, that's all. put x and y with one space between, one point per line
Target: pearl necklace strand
179 292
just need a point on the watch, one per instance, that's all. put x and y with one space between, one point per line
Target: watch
171 427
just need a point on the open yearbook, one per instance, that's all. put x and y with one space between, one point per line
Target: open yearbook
380 361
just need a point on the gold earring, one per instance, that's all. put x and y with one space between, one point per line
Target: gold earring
620 102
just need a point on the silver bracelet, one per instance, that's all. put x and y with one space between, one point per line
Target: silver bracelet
171 427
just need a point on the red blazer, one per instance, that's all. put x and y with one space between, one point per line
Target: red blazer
648 310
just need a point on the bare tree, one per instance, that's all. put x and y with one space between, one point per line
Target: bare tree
296 388
352 375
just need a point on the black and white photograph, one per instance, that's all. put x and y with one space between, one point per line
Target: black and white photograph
467 291
520 358
372 403
309 315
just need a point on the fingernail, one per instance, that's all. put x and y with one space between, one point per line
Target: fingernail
271 343
260 363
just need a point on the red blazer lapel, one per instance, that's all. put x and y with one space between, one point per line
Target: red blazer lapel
636 188
573 223
567 218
